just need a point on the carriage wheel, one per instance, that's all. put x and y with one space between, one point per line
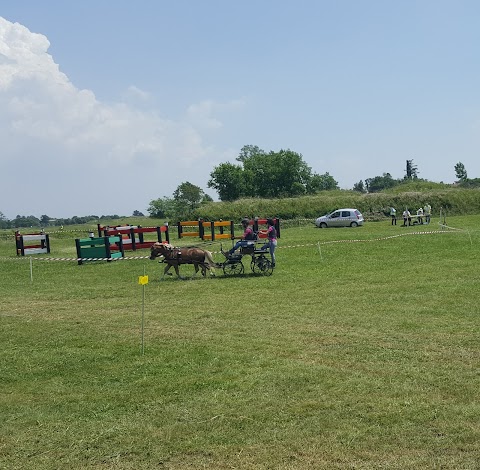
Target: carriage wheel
263 266
230 269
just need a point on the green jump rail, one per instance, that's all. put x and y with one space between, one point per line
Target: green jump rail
99 248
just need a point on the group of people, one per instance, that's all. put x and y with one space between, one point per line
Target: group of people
249 236
422 212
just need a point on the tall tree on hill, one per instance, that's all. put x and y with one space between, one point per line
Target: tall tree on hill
461 172
411 171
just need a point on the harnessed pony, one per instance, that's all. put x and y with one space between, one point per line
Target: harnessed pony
174 256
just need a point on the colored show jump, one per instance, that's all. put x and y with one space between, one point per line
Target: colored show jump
260 225
216 230
193 228
133 237
220 229
99 248
32 243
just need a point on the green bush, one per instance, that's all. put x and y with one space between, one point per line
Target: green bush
455 201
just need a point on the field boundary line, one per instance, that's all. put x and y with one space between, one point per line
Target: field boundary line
330 242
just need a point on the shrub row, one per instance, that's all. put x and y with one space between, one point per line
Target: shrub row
455 201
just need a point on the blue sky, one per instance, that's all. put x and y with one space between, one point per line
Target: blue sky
105 106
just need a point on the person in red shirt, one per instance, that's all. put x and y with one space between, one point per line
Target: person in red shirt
271 244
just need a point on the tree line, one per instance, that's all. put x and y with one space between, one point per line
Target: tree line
271 175
267 175
386 181
257 174
45 221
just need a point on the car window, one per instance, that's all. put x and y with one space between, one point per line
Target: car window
335 215
345 213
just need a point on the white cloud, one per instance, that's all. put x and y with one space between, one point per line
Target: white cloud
133 93
24 56
45 121
203 114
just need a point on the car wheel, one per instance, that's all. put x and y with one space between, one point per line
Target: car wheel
323 225
354 224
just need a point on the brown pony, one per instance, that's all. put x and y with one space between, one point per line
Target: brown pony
174 256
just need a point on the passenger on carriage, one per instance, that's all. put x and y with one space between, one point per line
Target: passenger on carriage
272 240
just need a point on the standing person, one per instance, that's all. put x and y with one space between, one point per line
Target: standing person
420 216
427 210
247 237
271 244
407 218
393 215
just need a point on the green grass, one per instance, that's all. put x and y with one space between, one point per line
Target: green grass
351 355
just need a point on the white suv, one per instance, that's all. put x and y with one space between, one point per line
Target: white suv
341 218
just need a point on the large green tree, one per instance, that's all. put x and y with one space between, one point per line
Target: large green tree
325 182
267 175
292 174
163 208
229 181
248 151
360 187
378 183
186 198
190 195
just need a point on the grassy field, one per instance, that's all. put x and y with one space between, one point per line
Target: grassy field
361 351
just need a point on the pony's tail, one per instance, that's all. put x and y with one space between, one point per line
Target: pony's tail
211 262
